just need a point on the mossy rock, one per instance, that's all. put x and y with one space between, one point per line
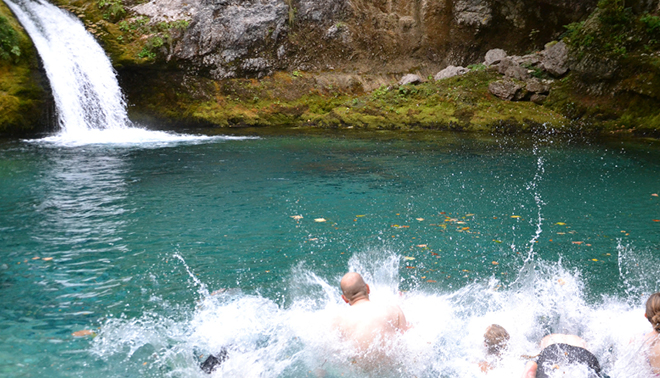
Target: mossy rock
22 97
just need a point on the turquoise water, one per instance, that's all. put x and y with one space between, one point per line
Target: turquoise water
130 240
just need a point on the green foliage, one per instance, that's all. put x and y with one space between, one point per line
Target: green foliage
614 31
652 24
9 40
112 9
296 74
477 67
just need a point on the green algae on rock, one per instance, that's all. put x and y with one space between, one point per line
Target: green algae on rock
22 97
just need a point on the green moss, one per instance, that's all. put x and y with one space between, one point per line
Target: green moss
21 96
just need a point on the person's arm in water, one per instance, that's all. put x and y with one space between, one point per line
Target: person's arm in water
530 370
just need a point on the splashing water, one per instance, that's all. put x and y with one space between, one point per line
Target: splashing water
267 339
89 103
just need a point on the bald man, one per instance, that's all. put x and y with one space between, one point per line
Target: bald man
364 321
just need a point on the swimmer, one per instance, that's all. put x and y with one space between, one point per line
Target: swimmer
651 339
558 350
496 340
364 322
213 362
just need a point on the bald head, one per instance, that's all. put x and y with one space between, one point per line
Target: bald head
354 287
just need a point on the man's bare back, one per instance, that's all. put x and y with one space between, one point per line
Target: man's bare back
364 323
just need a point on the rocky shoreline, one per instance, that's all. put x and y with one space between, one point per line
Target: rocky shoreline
336 64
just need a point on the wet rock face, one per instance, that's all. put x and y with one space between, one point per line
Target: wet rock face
246 38
231 37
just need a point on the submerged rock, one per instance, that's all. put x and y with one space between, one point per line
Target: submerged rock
450 71
505 89
410 79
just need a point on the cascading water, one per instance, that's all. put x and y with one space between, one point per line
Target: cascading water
84 85
89 103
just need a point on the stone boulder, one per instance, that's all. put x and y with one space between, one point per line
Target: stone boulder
494 56
555 59
535 85
514 71
410 79
505 89
538 98
450 71
504 64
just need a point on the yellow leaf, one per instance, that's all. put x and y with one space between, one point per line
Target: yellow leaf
408 258
421 245
84 332
319 219
420 219
515 216
469 215
594 259
460 222
496 263
360 216
47 258
36 258
561 223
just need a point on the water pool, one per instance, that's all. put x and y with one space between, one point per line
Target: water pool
128 241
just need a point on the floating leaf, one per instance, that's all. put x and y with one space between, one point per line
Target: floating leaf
497 241
577 242
561 223
561 282
297 217
313 239
410 267
460 222
360 216
36 258
515 216
465 228
82 333
561 233
469 215
594 259
656 220
588 245
408 258
431 281
495 263
420 219
319 220
423 277
434 254
654 194
47 258
421 245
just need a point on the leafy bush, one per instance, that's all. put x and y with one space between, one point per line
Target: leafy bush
9 42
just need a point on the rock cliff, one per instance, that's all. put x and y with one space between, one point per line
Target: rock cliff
338 63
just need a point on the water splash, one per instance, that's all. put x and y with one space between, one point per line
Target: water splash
266 339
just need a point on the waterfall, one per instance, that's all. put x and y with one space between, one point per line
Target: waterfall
89 103
83 81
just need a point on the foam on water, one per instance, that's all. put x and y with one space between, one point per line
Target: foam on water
293 338
128 137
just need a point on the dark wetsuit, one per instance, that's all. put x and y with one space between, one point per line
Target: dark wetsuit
564 354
